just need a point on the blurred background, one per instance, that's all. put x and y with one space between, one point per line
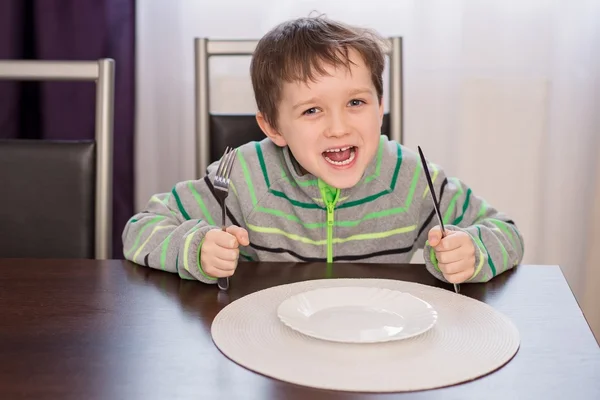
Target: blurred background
503 94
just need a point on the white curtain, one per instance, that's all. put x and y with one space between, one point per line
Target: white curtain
504 94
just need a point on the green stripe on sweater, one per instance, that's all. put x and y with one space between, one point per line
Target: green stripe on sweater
247 177
503 226
490 261
180 205
378 165
201 204
464 210
398 165
452 205
141 232
302 239
371 198
163 252
261 160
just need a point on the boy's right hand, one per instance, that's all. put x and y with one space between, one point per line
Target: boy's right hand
220 251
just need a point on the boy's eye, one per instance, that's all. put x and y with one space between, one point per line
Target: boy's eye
356 102
310 111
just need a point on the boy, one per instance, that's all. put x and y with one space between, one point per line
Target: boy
324 185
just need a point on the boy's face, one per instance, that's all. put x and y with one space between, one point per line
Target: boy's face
332 126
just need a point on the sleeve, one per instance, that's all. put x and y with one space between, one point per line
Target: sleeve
169 234
496 238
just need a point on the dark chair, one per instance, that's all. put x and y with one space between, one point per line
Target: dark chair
215 132
56 197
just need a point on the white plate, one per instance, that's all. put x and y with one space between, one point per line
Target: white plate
357 314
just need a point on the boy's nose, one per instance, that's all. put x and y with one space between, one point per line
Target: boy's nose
337 126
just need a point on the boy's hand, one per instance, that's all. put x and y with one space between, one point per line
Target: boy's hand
219 253
455 254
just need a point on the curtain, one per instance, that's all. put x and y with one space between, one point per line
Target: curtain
72 30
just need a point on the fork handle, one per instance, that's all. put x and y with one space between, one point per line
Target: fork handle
223 283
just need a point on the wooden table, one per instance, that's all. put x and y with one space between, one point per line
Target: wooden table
113 330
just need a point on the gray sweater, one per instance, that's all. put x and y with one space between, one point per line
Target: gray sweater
298 218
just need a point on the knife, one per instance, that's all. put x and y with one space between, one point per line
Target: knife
435 202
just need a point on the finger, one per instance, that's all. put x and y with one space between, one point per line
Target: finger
223 265
451 268
460 277
452 241
215 272
226 254
457 266
224 239
465 251
240 234
448 257
210 267
434 236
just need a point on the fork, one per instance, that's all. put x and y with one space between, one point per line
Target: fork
221 184
436 205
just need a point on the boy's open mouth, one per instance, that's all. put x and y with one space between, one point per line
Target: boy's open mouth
340 156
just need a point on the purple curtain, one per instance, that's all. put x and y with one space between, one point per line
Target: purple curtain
72 30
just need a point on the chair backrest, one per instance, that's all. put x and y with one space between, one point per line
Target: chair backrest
213 133
56 197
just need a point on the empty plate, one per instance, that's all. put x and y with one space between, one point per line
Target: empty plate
357 314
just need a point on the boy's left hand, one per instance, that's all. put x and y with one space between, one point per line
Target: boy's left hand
455 254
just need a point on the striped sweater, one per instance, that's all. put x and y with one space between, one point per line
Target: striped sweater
298 218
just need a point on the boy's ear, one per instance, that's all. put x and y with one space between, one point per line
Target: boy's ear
270 131
381 111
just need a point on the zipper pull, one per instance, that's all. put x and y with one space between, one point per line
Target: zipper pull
330 214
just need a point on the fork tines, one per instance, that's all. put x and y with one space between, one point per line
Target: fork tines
224 169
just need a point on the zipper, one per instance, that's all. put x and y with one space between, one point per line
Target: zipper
330 220
330 197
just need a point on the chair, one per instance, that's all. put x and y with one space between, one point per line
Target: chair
213 133
56 197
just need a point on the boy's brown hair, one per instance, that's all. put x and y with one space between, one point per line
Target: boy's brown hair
297 50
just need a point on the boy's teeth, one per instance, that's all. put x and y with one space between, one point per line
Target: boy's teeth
345 162
337 150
